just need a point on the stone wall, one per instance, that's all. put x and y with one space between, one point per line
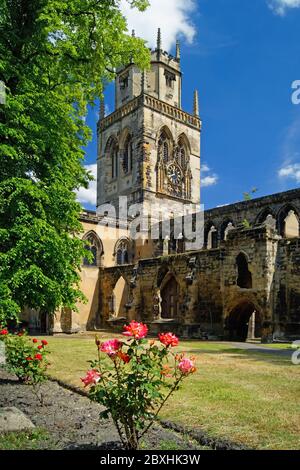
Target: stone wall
208 290
254 212
286 289
207 286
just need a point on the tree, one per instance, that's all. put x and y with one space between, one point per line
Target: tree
55 59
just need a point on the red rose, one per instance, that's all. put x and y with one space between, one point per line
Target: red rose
168 339
34 340
40 347
38 357
44 342
29 358
111 347
136 330
124 357
92 378
4 332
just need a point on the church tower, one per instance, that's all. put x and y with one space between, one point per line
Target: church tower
148 147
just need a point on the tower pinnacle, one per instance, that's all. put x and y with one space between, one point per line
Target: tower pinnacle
158 43
144 81
102 109
196 104
177 50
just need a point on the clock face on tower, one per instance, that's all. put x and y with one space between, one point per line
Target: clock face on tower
174 174
175 179
173 170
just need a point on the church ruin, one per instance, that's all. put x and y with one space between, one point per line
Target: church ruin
244 281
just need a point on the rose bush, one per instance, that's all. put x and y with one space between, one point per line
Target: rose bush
26 358
134 378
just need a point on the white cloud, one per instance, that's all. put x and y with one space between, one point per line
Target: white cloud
281 6
88 196
291 172
205 168
172 16
209 179
290 153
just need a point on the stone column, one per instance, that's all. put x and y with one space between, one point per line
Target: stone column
251 326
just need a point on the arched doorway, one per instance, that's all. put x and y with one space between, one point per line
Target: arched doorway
244 322
169 297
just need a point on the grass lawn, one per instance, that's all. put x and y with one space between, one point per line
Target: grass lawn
23 440
244 396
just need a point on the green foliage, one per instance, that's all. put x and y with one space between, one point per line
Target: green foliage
25 440
25 358
248 195
9 309
246 224
55 59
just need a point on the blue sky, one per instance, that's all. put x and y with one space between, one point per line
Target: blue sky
243 57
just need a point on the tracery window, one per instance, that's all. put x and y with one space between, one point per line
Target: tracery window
94 245
112 152
181 154
114 161
163 147
122 252
128 154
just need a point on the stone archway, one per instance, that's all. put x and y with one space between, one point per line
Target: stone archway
119 299
169 297
243 322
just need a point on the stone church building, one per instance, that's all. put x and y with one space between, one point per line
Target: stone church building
242 282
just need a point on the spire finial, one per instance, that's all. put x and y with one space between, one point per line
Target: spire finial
102 109
196 103
178 50
158 39
144 81
133 33
158 43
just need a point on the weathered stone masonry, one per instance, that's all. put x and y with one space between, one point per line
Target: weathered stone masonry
208 293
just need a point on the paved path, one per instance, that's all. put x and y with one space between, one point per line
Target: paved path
260 348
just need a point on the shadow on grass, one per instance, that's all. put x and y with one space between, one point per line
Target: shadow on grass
253 354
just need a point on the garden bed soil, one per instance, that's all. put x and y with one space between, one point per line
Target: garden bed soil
71 421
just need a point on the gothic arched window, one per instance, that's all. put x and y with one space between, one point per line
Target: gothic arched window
211 236
244 279
112 156
163 147
288 222
122 251
128 150
114 162
181 153
94 245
